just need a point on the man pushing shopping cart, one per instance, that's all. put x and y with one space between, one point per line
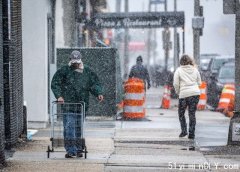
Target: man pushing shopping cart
71 85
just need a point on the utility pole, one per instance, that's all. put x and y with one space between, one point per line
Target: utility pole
196 34
175 37
118 6
117 35
79 24
166 40
233 7
126 52
237 59
119 40
155 41
149 40
165 5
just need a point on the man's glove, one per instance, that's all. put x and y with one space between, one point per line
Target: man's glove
149 86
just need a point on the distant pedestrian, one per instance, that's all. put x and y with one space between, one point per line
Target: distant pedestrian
72 83
186 82
139 71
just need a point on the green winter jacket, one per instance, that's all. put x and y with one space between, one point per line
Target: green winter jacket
74 86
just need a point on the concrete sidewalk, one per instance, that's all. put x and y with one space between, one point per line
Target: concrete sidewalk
155 146
150 145
32 155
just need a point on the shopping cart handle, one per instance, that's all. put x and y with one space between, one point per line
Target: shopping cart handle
58 102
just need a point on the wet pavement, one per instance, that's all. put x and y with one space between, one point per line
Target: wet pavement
150 145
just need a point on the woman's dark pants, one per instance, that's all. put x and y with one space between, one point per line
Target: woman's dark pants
191 103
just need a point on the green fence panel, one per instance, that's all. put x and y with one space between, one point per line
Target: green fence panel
106 64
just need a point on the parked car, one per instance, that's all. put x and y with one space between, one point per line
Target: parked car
214 65
205 60
226 75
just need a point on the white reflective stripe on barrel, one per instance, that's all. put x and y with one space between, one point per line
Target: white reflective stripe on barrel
134 96
228 91
203 91
136 109
166 96
224 100
167 91
202 102
229 86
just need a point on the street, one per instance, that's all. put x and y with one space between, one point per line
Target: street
149 144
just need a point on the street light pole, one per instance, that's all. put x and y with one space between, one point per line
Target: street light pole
165 6
234 127
126 53
196 34
118 6
167 41
237 59
149 40
155 41
176 55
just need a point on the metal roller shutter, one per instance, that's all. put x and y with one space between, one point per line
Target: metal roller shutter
13 73
2 157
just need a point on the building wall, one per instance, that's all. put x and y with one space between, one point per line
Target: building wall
35 60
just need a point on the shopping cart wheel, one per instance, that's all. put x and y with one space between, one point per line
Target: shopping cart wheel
48 151
85 152
83 143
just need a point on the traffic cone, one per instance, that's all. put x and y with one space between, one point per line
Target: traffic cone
203 97
228 94
166 97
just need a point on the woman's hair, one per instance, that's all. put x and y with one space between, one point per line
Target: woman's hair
186 60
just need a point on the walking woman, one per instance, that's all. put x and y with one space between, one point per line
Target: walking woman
186 83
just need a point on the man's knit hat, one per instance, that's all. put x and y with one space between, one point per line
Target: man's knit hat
139 59
75 57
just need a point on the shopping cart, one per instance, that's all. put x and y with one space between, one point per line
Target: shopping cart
67 117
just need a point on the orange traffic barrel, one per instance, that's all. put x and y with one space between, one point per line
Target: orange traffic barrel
203 96
230 110
134 99
228 94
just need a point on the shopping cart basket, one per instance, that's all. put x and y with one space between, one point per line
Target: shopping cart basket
71 115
